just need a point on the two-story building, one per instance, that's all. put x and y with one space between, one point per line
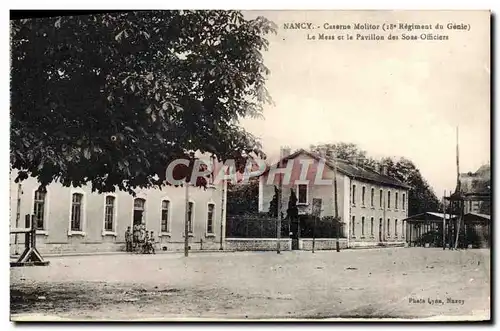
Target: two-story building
370 205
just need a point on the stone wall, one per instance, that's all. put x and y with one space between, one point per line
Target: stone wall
257 244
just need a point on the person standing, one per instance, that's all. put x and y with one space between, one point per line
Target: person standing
136 235
128 240
152 242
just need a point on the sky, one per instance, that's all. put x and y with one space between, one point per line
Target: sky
402 98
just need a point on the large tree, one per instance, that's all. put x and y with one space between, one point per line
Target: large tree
421 197
110 99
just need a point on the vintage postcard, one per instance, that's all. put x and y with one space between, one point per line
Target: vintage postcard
250 165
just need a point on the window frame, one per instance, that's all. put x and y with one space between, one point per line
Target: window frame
46 205
83 213
353 226
372 197
112 232
363 196
353 194
169 216
298 194
381 198
212 233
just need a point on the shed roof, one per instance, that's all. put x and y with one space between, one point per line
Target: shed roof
431 216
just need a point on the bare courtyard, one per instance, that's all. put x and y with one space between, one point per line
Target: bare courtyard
379 283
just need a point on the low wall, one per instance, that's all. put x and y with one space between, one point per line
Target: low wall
71 248
376 244
321 244
96 248
257 244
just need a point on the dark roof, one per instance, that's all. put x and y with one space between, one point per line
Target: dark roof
350 169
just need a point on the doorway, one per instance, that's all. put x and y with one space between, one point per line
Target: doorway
139 205
295 233
380 230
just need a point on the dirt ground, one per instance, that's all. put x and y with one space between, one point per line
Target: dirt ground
377 283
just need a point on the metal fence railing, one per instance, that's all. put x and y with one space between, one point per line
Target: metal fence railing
265 227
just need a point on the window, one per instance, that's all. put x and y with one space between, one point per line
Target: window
388 227
395 228
404 201
210 218
302 189
363 189
39 209
354 194
372 197
165 206
381 199
76 212
190 217
362 225
352 226
396 200
371 226
403 230
388 199
109 213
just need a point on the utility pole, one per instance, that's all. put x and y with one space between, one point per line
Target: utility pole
222 219
459 200
280 188
18 214
383 215
444 220
337 243
186 221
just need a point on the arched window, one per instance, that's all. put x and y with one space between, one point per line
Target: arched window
372 198
354 194
362 226
139 209
371 226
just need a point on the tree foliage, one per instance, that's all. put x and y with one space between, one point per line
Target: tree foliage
243 199
111 99
273 205
421 197
292 212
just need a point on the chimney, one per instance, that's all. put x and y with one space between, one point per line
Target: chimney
285 151
383 170
322 152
